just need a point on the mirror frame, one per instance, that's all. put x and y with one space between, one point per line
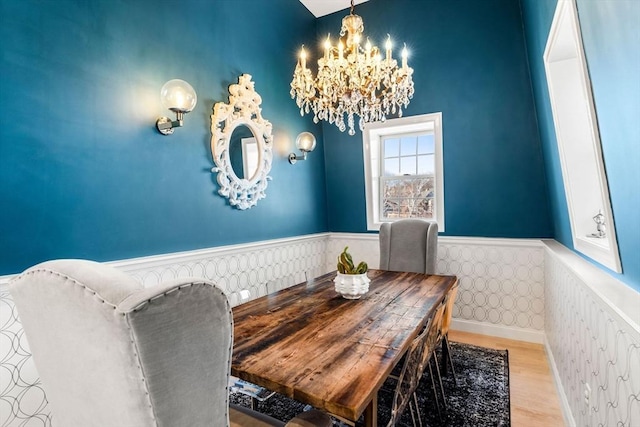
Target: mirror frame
243 109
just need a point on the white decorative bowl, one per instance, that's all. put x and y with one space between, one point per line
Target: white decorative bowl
352 286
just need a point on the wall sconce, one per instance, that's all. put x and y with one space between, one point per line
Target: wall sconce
305 142
179 97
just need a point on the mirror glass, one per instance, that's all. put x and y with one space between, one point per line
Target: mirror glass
243 153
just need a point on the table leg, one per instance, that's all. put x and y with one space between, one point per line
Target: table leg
371 412
445 356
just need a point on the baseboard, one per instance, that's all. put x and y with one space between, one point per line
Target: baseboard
518 334
564 402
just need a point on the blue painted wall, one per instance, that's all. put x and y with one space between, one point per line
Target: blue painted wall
84 172
469 63
611 38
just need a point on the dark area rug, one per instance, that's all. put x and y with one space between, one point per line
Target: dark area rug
480 399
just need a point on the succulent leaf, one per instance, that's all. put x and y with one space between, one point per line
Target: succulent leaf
362 268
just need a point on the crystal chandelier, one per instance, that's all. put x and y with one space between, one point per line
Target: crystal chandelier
352 80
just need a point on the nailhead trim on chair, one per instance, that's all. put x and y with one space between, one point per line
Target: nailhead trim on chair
103 301
132 335
70 279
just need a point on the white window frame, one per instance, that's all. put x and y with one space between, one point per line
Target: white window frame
578 137
372 135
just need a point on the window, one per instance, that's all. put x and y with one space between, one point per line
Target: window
403 168
585 180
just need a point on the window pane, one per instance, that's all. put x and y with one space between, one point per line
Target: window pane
426 165
391 147
426 144
422 187
391 167
408 165
408 198
408 146
389 201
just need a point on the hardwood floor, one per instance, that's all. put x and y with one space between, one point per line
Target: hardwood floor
534 400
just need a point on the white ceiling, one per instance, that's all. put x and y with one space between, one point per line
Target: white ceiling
325 7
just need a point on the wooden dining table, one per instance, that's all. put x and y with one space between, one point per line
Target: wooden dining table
309 343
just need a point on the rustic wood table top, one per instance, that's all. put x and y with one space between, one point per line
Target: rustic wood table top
309 343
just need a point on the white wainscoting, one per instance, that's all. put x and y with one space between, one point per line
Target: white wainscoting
512 288
592 333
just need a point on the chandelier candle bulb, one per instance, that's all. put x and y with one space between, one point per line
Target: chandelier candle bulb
340 51
303 58
404 57
327 47
387 45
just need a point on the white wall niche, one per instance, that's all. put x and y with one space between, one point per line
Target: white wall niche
576 125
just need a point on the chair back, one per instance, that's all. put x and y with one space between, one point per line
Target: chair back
434 335
448 310
112 353
415 361
409 245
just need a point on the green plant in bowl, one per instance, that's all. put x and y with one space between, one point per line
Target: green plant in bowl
347 266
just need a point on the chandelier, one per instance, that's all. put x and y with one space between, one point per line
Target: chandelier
352 80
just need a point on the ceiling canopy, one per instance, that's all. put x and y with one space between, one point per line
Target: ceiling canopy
325 7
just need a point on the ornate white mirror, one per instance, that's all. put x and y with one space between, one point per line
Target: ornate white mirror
241 144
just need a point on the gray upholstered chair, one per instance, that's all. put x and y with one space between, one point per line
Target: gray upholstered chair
112 353
409 245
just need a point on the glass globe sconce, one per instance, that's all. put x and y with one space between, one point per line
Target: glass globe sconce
179 97
305 142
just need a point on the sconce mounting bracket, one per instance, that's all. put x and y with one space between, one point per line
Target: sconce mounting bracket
164 125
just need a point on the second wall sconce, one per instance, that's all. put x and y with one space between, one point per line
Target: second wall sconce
179 97
305 142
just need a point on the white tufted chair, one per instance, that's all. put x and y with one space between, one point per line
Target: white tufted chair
112 353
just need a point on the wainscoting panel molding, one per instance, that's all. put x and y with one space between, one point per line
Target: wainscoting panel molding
513 288
22 399
591 341
501 282
259 268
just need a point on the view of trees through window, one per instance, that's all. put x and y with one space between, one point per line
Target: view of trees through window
408 178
